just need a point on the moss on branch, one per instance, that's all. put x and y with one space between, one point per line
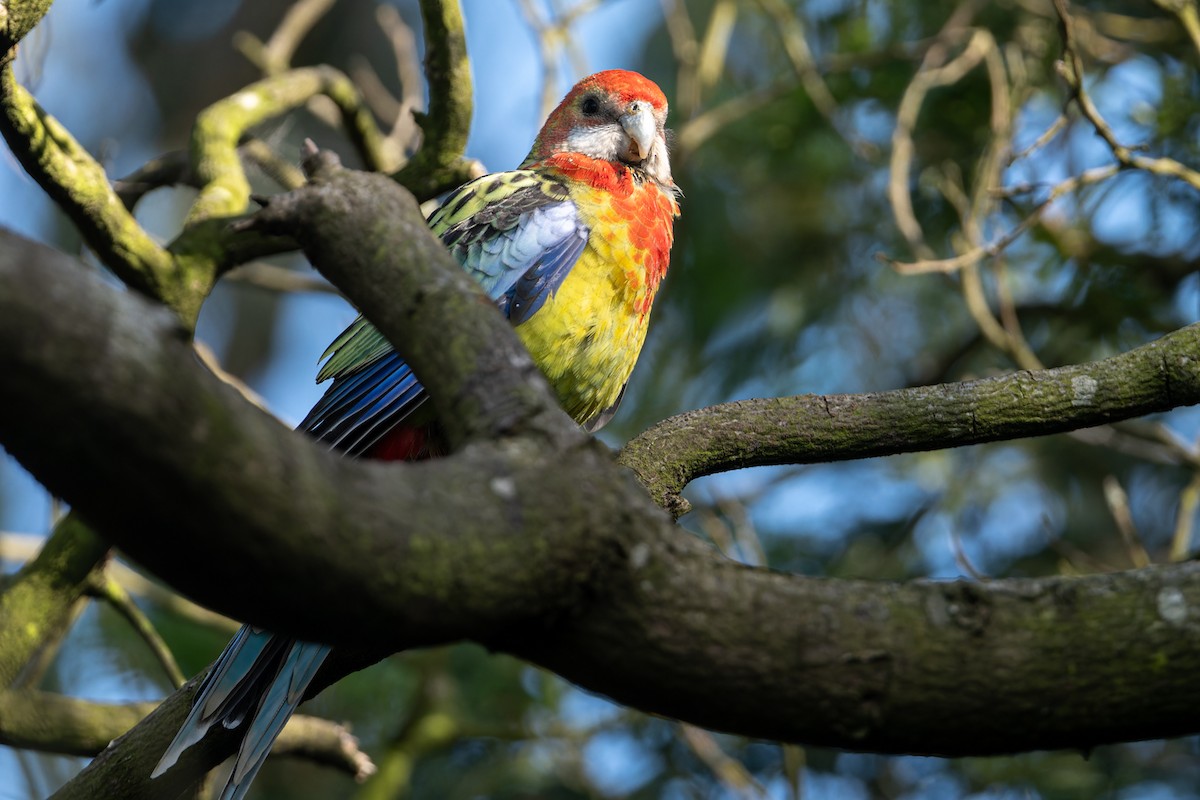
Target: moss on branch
439 164
17 18
80 187
37 605
216 165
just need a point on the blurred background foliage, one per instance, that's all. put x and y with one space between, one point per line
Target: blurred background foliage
792 272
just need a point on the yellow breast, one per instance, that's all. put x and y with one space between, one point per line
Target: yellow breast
587 336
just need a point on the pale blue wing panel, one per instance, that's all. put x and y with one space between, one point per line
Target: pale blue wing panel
518 235
278 704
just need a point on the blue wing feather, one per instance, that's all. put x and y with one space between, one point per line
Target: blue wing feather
280 701
519 248
534 286
349 415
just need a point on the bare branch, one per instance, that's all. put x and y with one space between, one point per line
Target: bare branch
810 428
439 164
1072 70
275 55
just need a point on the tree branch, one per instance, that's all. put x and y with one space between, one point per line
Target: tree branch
536 544
62 327
439 164
808 429
225 191
17 18
37 605
78 184
53 723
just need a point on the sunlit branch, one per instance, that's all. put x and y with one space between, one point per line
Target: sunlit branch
224 188
1188 15
106 588
927 78
686 49
275 55
1117 501
980 252
1072 70
791 31
17 18
404 135
439 164
80 187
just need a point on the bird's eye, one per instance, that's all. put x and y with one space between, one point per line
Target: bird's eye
590 106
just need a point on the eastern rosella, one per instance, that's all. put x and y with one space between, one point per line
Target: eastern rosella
572 246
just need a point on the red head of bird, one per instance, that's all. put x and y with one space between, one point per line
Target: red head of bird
615 116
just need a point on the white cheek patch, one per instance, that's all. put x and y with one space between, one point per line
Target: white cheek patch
605 142
611 143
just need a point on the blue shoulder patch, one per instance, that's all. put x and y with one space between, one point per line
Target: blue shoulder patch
519 247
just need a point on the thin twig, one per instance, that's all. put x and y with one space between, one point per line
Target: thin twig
1072 70
209 359
1185 520
686 47
109 590
275 55
730 772
1118 506
274 278
978 253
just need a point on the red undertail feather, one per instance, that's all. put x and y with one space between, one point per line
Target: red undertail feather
407 443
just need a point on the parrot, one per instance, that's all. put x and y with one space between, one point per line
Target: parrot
571 246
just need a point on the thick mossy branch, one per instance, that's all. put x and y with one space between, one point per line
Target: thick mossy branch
954 669
439 165
37 605
216 166
17 18
131 364
822 428
53 723
555 554
365 233
80 187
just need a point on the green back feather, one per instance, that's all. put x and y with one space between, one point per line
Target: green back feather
472 213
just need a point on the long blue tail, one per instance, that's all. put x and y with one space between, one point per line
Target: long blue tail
260 677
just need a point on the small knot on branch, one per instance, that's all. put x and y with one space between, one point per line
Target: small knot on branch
316 162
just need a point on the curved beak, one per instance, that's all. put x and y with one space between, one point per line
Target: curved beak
638 123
